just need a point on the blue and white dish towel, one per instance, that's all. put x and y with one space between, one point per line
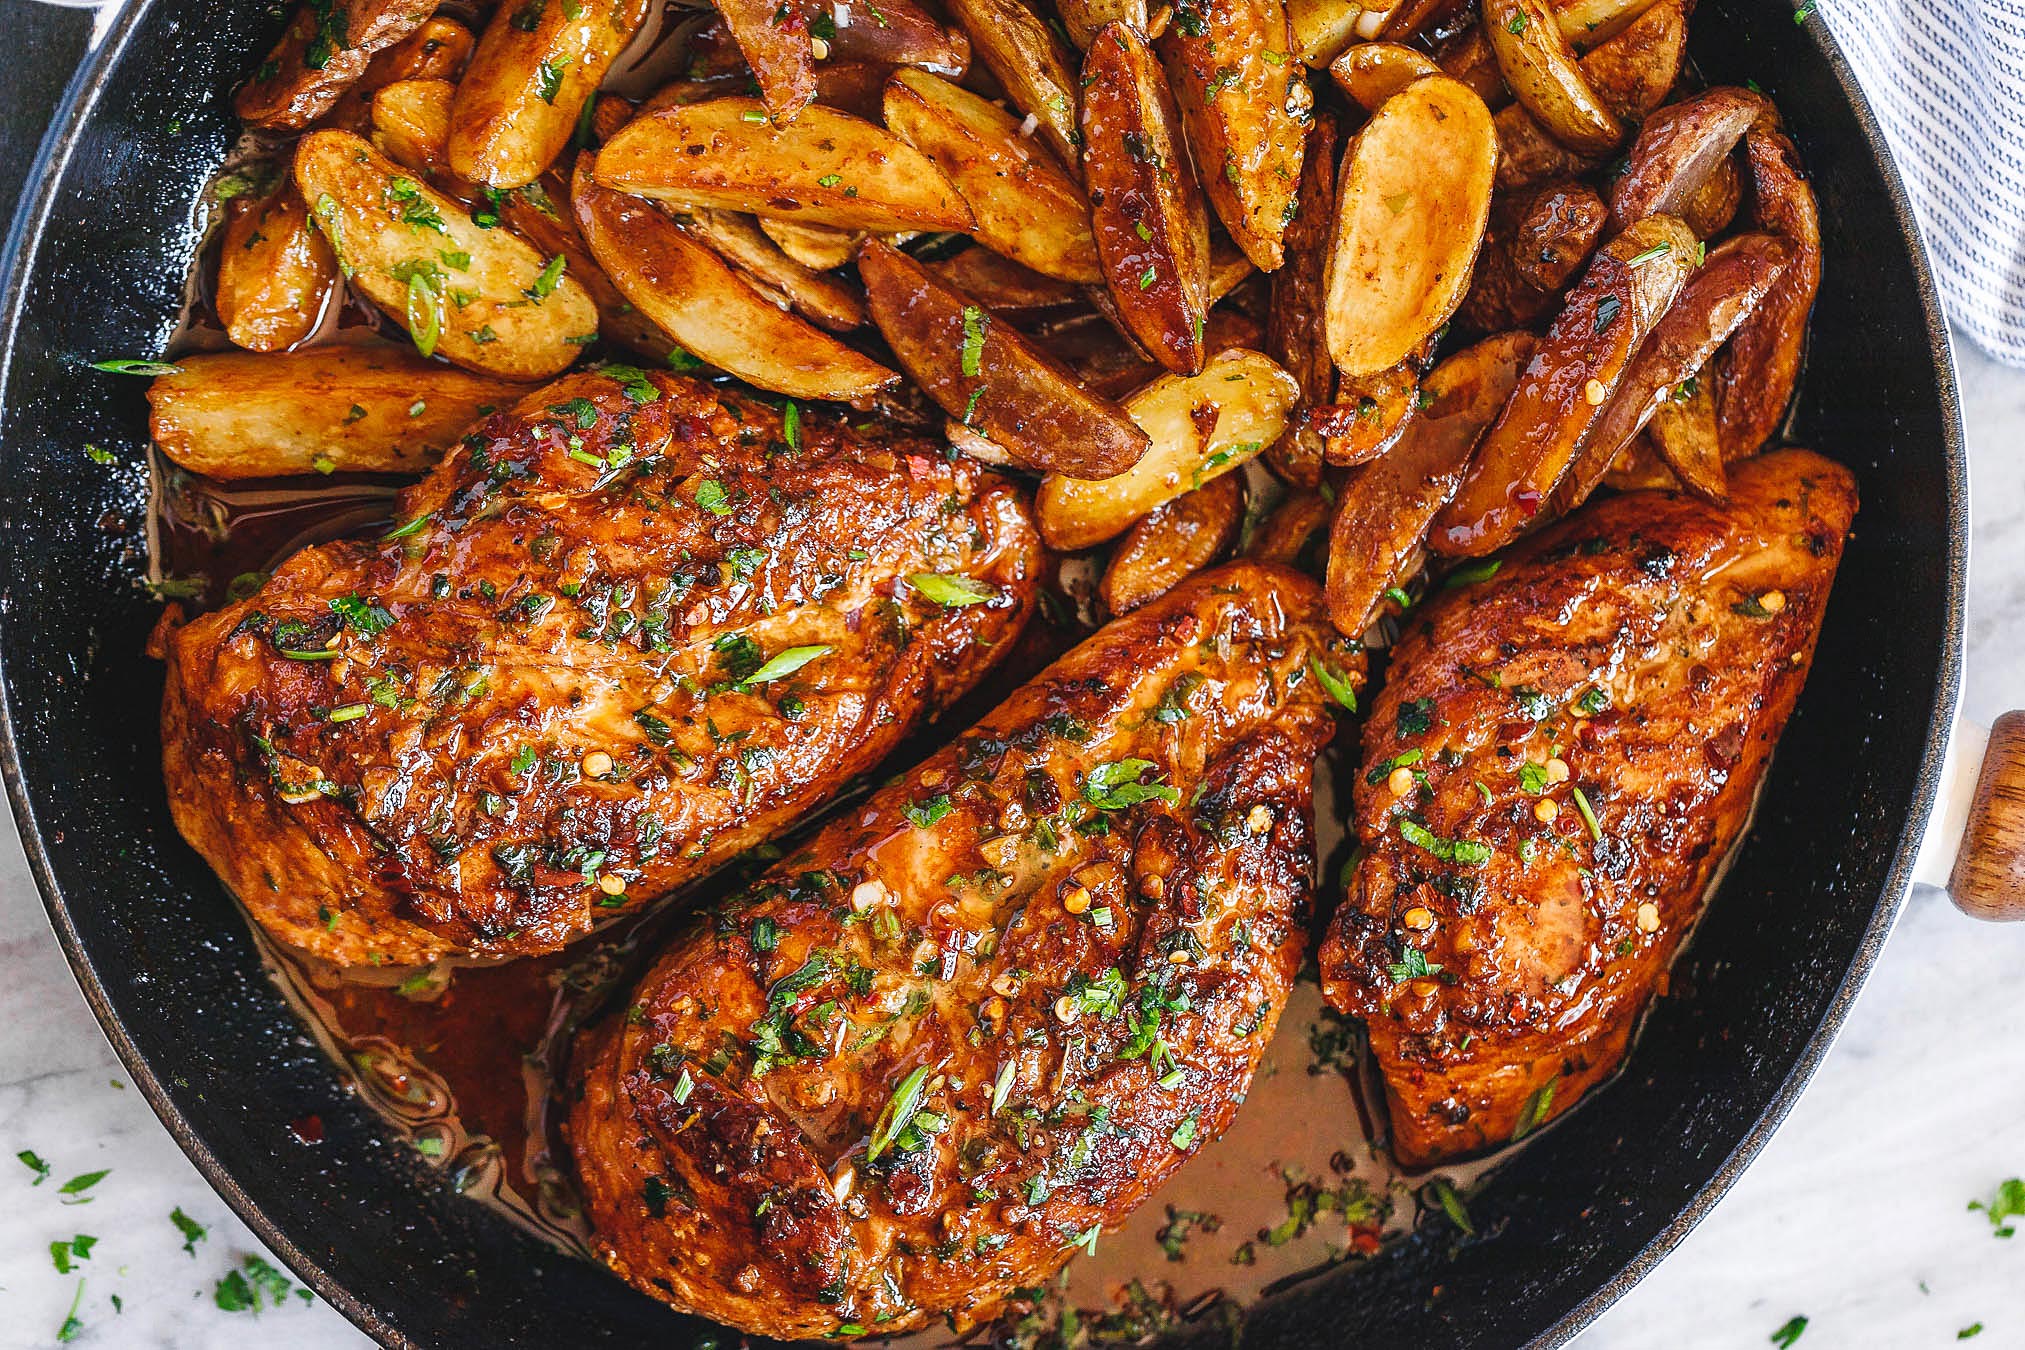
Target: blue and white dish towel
1947 79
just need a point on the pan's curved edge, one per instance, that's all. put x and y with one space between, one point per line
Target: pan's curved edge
1926 789
24 239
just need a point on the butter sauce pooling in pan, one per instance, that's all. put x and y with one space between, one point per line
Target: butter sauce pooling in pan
1514 895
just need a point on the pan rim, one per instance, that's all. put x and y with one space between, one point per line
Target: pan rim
25 238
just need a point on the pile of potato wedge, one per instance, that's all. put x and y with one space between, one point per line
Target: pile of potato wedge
1440 270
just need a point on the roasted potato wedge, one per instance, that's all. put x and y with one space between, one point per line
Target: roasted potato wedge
1678 148
275 271
1036 71
1370 414
1756 373
1718 297
1172 542
1289 528
1084 19
1414 201
480 298
986 374
439 49
774 37
1245 111
1384 511
820 248
1410 17
411 124
540 213
534 68
1372 72
1201 425
1002 285
1540 68
360 409
894 33
324 51
1321 29
1027 206
1295 334
826 167
1579 364
708 309
1468 57
1684 437
1146 206
1631 74
1587 23
822 299
1711 207
1538 237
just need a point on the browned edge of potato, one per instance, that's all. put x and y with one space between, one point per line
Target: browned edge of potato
1628 285
276 271
1368 73
337 407
322 53
1295 334
1172 542
1384 510
1757 371
988 376
1541 70
1146 206
1677 149
695 297
1414 199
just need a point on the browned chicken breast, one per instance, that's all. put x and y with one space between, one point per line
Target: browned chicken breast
625 631
1561 757
987 1012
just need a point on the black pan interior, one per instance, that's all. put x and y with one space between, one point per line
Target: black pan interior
101 251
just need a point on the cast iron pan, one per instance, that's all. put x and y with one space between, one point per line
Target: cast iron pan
95 269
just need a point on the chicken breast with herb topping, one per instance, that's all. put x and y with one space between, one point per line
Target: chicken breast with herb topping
988 1012
1562 755
625 631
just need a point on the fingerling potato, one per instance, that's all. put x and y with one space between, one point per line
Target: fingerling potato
1370 414
1371 72
1002 285
1414 201
1174 541
1322 28
821 248
534 68
1245 114
1541 70
540 214
1026 205
1631 74
1678 148
1084 19
480 298
1384 510
336 407
987 375
275 271
411 124
1684 437
1147 210
1295 334
708 309
1291 527
774 38
894 33
1759 368
324 51
826 167
1036 71
1581 361
823 300
1201 426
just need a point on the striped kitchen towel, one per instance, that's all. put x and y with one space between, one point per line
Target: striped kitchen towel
1947 79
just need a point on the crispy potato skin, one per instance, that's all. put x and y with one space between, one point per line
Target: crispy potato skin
518 104
1545 78
672 1177
1296 333
319 58
411 126
1757 372
361 409
1537 240
1245 114
1017 395
1146 205
1632 74
275 272
1173 541
774 39
1035 69
381 222
1678 149
429 840
1541 964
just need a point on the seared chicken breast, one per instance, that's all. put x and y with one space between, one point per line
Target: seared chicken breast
1560 759
988 1011
626 630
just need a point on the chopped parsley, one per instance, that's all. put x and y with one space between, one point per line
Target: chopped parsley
2007 1204
548 279
1412 965
1785 1336
1116 786
975 324
710 495
33 1162
924 814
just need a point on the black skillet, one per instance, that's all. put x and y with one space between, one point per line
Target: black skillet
96 268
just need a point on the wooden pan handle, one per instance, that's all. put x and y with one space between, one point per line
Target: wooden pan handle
1988 881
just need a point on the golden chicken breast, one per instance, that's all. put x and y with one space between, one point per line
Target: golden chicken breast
987 1012
1560 759
625 631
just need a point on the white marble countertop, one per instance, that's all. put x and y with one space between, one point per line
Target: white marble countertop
1855 1216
